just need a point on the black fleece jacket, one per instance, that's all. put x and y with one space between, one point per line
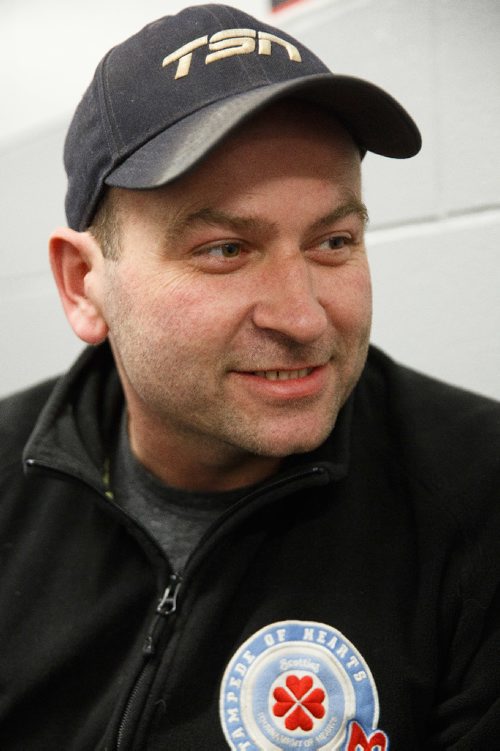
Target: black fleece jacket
384 542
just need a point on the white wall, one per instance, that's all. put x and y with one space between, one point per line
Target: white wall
435 219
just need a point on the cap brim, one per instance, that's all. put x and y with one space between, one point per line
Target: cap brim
376 121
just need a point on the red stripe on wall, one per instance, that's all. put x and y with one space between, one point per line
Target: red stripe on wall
285 4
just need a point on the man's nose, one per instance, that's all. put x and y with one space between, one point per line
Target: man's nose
289 301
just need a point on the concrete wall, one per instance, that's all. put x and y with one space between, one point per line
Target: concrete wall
435 219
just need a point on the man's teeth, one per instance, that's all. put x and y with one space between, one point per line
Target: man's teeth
284 375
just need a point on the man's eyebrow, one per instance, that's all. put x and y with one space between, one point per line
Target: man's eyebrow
217 218
214 217
352 206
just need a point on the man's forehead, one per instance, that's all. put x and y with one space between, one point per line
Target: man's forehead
307 125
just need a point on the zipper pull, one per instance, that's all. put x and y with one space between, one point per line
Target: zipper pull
168 602
167 605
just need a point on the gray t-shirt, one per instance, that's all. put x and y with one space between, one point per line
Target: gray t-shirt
176 518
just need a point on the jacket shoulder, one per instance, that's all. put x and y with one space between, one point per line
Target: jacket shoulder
447 436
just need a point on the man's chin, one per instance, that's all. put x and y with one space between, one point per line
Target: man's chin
281 446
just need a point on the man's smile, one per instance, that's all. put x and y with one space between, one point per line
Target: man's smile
284 384
283 375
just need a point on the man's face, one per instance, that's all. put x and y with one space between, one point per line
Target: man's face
239 308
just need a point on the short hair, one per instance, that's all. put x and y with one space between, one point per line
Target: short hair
105 226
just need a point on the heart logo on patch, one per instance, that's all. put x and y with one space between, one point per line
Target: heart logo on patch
299 703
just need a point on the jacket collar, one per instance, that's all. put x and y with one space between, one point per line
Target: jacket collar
75 429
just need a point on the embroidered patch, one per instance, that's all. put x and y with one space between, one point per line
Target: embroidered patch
300 685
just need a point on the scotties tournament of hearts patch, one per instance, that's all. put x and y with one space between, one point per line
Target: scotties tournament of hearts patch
300 685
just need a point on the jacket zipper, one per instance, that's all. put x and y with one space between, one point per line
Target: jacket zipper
166 608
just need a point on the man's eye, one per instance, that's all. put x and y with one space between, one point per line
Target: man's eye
225 250
336 242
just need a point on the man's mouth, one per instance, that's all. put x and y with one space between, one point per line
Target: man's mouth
285 384
283 375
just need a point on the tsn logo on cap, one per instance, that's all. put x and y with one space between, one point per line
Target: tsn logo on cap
227 43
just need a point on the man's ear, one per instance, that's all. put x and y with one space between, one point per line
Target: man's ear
78 268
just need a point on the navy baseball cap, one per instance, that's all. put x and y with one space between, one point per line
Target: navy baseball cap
162 99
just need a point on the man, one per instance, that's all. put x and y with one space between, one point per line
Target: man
234 524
